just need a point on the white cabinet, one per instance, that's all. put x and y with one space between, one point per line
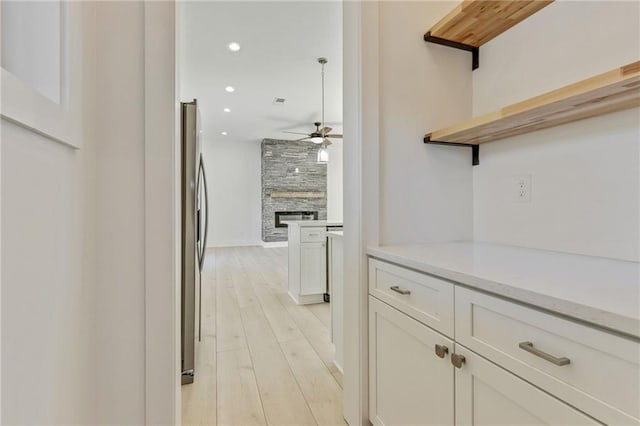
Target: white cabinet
555 354
409 383
488 395
313 268
307 263
511 364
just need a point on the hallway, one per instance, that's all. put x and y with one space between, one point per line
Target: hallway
262 359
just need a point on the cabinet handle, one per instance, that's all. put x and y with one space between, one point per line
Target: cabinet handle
441 351
397 289
457 360
528 346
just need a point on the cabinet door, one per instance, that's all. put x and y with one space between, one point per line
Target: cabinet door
488 395
408 383
313 268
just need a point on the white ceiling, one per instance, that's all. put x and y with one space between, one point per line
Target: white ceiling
280 43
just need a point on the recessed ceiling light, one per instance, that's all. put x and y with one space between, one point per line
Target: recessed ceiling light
233 46
229 89
224 133
226 110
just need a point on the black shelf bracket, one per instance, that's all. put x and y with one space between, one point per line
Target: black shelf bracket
475 51
475 149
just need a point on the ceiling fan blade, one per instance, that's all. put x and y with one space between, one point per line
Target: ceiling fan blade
326 130
295 133
326 142
334 136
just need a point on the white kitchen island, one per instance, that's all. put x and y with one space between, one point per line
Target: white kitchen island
308 260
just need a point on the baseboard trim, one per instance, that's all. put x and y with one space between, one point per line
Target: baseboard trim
275 244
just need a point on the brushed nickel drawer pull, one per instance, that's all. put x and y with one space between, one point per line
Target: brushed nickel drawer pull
528 346
457 360
397 289
441 351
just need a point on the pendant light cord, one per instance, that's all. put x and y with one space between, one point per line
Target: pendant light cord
323 136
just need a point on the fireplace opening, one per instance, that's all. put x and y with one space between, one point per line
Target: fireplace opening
290 215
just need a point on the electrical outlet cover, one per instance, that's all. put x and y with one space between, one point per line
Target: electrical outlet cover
521 187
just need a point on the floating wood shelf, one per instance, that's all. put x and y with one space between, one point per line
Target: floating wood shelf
474 22
605 93
293 194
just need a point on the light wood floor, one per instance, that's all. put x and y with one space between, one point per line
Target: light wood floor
262 359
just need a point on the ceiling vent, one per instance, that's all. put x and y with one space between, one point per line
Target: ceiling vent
279 101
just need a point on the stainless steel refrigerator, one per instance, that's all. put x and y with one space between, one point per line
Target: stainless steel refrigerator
195 225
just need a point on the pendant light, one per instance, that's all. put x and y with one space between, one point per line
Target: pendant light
323 155
323 152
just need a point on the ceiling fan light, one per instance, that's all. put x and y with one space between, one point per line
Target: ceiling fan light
323 155
317 139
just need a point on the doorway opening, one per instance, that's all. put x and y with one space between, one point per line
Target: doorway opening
267 316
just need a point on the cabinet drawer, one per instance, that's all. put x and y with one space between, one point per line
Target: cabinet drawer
595 371
312 235
423 297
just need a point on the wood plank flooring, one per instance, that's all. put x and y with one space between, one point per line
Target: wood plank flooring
263 360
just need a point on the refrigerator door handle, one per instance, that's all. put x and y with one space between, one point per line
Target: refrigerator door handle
206 211
199 254
202 248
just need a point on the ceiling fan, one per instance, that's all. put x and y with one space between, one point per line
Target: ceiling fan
318 135
322 133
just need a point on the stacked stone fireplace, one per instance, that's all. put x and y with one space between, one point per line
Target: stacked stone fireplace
292 182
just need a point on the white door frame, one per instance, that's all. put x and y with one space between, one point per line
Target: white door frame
361 201
361 194
161 175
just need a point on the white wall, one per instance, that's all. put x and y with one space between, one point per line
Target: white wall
119 223
233 176
585 175
335 182
162 217
425 190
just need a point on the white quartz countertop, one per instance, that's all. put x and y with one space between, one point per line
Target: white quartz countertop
335 234
604 292
303 223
